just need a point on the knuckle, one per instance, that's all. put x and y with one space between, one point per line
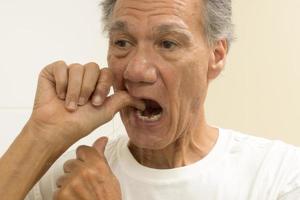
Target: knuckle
61 194
92 66
75 66
105 74
75 184
59 63
106 71
59 181
87 173
67 164
82 151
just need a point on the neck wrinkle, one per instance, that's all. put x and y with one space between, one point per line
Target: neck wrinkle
187 150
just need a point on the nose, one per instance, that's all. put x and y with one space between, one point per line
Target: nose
140 69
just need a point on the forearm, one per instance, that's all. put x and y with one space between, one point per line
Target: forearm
25 162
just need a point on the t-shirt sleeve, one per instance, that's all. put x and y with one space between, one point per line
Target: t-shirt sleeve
45 188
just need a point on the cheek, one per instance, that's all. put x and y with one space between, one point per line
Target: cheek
117 67
193 86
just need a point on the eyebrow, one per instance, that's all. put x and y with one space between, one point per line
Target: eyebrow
163 29
173 28
118 26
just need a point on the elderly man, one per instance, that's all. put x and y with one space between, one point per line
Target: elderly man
162 56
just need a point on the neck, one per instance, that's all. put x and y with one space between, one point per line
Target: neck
190 147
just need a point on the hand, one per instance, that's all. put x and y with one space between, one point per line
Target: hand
88 177
63 89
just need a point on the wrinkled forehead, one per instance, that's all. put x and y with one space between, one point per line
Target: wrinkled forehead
184 13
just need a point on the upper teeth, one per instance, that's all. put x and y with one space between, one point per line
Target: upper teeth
148 118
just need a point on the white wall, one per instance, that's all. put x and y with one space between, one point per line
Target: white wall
34 33
258 92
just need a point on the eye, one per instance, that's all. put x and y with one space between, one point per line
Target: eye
122 43
167 44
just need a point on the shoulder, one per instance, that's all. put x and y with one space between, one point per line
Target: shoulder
254 144
277 164
273 152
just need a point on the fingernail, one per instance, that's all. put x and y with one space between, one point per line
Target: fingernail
97 100
81 101
72 105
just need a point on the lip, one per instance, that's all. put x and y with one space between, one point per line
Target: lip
141 97
132 114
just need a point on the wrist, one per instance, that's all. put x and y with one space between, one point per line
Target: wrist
47 135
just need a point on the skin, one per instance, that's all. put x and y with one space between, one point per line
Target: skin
166 56
55 124
163 54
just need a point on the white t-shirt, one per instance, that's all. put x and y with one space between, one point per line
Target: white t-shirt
239 167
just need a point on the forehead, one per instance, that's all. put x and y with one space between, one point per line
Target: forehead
186 13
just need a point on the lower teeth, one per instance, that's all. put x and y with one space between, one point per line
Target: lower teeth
148 118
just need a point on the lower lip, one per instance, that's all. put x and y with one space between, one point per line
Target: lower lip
144 123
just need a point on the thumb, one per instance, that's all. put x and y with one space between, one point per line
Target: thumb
100 145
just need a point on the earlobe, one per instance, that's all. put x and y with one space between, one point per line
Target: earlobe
217 59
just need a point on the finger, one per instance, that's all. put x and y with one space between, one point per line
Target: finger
85 153
50 82
90 78
71 165
76 72
90 156
97 116
103 86
100 145
60 72
119 100
62 180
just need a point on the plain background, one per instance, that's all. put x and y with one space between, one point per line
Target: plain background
258 92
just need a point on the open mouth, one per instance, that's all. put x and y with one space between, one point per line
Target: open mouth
152 112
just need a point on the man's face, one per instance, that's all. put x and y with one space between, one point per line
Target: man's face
158 53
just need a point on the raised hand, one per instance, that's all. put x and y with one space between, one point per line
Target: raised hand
71 101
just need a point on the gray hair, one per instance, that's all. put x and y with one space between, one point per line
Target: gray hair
217 19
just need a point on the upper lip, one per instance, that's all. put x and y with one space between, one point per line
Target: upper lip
141 97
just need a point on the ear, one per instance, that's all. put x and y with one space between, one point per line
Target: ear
217 59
